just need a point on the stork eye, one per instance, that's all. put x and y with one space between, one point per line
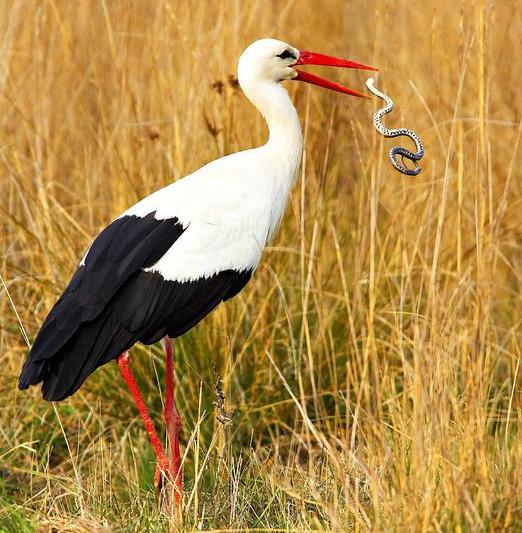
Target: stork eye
286 55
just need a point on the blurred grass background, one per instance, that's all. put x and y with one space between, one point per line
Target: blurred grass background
372 368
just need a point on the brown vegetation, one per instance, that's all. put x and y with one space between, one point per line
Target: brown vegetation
371 370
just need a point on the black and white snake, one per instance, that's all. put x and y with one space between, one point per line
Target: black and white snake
396 150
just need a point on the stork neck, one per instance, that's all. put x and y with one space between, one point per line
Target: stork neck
283 122
274 104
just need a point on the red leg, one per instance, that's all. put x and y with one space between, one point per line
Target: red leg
172 421
124 365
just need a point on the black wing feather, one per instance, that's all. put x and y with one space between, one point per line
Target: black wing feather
142 310
124 247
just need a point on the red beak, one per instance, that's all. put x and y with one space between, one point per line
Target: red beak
311 58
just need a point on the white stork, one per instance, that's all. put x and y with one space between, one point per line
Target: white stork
166 262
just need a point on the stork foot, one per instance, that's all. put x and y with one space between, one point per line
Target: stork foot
169 499
159 480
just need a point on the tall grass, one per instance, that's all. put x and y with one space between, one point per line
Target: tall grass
371 369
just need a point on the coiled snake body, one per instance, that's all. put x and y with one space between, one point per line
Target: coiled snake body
396 150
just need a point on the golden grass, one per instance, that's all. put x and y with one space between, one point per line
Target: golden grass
372 367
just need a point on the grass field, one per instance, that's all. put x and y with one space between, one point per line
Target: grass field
371 369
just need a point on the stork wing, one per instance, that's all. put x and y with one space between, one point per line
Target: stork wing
111 302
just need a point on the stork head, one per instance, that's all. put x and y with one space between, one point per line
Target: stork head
270 60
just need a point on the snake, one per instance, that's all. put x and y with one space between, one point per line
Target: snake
396 150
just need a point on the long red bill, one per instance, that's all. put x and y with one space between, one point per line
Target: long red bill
312 58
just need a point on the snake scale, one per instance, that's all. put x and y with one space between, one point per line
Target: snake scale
396 150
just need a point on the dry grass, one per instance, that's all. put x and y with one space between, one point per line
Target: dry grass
372 367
